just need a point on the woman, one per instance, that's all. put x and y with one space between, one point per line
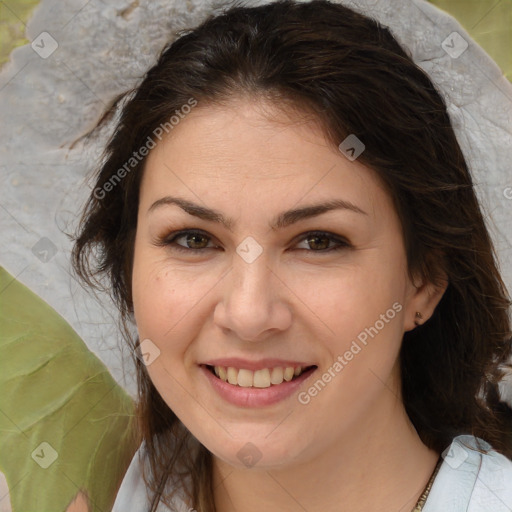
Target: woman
286 215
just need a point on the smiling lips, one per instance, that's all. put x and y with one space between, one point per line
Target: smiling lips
262 378
264 383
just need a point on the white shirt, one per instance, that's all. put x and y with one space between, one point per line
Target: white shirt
467 481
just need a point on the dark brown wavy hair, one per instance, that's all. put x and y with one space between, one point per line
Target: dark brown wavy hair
350 73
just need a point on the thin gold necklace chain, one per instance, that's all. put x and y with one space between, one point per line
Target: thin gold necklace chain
423 498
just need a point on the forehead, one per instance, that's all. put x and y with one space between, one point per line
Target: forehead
253 153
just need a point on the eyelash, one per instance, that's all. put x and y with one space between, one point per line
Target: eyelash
170 241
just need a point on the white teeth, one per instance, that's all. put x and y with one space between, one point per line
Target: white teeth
232 375
222 373
288 374
245 378
263 378
276 376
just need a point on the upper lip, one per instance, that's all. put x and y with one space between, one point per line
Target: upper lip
239 363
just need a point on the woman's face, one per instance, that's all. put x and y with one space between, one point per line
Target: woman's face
261 293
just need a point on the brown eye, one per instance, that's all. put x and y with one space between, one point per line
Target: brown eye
321 241
194 241
197 241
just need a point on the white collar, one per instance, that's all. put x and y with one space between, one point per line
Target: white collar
467 481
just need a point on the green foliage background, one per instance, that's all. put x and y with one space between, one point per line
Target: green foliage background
55 390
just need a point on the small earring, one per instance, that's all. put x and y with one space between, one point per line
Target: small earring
418 315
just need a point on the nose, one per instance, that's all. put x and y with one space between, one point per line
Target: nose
255 303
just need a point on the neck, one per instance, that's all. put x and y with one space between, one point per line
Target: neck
378 464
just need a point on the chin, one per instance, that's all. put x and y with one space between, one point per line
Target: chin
256 452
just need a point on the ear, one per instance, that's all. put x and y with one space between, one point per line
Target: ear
423 299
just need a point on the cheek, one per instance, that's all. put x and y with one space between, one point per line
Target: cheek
362 312
352 298
169 300
160 298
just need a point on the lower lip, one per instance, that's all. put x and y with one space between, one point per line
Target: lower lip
255 397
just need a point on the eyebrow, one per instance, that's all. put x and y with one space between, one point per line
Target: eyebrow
283 220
